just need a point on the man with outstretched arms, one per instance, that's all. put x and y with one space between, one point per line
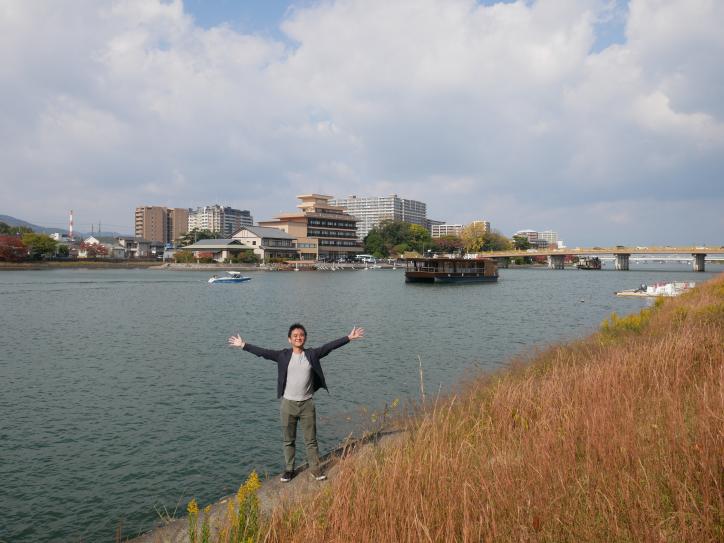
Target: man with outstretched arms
299 376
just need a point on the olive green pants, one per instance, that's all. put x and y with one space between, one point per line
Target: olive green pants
292 412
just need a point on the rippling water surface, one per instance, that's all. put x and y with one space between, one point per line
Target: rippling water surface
121 400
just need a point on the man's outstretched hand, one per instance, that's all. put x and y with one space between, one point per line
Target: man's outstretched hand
236 341
356 333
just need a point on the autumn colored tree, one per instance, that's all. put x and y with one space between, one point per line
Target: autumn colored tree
12 249
448 244
94 250
476 239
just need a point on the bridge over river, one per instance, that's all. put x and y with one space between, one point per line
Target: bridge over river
621 255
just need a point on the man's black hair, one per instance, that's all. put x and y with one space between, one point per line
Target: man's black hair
296 326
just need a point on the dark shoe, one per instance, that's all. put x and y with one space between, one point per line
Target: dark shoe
286 476
318 475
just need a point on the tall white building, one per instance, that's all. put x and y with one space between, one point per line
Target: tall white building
371 211
549 236
224 220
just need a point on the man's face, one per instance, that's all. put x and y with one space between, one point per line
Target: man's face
297 338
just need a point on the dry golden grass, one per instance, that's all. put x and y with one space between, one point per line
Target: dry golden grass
618 437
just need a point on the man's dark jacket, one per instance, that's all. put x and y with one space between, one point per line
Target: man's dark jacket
283 357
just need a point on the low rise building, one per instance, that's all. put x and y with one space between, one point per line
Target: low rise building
219 249
268 243
136 247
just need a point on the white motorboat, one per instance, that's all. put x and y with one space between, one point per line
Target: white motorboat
234 277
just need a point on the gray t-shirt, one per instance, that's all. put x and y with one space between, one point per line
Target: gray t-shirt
299 379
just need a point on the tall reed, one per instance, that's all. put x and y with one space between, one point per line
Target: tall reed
617 437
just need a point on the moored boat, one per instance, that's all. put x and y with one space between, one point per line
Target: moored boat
589 263
668 289
234 277
451 270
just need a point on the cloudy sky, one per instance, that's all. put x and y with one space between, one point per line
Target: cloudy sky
599 119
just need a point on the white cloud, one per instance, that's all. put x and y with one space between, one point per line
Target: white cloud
482 111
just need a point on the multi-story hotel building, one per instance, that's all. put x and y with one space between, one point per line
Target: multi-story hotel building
223 220
157 223
371 211
323 231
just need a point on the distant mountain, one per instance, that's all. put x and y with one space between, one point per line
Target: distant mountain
12 221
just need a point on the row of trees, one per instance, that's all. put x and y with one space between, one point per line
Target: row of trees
394 238
20 243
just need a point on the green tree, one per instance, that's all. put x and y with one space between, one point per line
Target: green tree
495 241
521 243
245 257
395 237
184 257
39 245
189 238
374 243
418 238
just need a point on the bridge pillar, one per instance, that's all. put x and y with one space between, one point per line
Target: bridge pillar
555 262
622 261
699 262
503 261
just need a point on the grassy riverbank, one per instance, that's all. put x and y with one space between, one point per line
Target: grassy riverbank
617 437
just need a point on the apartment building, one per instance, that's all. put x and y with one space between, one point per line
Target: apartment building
221 219
158 223
539 239
442 230
484 224
323 231
371 211
549 236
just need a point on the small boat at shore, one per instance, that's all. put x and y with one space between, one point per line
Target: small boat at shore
451 270
589 263
234 277
668 289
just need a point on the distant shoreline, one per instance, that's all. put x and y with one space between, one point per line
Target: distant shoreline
77 264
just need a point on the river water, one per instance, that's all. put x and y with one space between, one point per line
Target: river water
121 399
